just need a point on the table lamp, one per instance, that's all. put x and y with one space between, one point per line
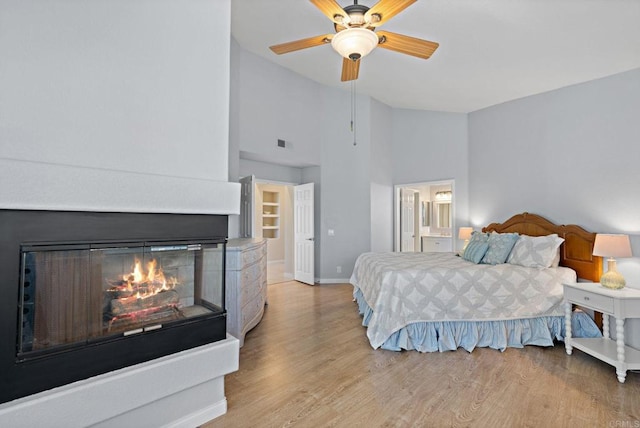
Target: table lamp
464 233
612 246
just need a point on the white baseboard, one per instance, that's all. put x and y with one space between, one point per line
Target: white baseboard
331 280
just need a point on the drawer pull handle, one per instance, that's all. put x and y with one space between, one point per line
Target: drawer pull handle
586 299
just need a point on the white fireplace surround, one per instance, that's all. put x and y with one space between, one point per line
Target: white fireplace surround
43 186
86 87
185 389
180 390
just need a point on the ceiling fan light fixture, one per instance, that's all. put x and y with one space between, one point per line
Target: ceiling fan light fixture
354 43
356 19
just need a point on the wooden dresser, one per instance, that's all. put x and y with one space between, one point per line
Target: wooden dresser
246 284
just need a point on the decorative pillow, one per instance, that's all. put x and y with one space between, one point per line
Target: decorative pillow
500 245
556 258
478 237
475 251
475 237
535 251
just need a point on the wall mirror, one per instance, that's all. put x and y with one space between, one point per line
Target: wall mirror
442 213
426 213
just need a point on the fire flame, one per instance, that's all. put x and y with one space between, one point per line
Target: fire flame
149 283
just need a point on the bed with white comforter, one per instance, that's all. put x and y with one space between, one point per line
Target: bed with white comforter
439 301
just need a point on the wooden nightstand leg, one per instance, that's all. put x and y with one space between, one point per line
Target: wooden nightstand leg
622 374
567 327
605 326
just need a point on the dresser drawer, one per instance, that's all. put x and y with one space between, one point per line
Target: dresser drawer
434 244
252 272
591 300
251 313
245 254
250 257
250 291
246 285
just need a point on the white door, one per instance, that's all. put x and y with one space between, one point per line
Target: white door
407 220
303 236
247 214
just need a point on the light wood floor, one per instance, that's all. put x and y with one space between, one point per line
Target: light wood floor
309 364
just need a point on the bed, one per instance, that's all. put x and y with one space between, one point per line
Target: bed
439 301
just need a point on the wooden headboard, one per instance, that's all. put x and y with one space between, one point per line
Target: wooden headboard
575 251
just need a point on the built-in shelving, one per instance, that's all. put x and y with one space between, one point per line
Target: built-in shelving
270 214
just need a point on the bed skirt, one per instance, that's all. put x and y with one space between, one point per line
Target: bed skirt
443 336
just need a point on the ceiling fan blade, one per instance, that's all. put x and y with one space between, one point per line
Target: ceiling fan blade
332 10
350 69
384 10
406 45
301 44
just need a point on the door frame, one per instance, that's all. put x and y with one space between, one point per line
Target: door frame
397 231
260 181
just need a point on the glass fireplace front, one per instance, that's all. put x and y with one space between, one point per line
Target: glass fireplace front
75 295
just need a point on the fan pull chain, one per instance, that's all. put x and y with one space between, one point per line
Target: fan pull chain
353 110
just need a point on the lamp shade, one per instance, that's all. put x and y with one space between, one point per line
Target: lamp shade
465 233
354 43
616 246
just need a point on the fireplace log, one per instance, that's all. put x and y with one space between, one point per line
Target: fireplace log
120 289
134 304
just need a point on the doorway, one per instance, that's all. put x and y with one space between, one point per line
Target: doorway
424 216
283 214
273 221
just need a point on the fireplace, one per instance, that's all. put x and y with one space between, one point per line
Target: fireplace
85 293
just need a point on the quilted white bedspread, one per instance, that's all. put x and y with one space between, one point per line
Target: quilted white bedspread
404 288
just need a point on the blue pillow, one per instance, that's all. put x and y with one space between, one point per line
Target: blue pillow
478 237
475 251
500 245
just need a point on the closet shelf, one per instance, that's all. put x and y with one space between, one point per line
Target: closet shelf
270 214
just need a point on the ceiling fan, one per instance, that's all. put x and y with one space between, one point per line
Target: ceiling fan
356 34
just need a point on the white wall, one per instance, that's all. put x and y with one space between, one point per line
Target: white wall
101 90
274 103
346 185
433 146
381 177
570 155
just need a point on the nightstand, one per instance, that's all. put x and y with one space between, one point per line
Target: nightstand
621 304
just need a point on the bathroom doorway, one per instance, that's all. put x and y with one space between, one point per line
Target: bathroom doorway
424 214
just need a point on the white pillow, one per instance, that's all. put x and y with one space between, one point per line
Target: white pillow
535 251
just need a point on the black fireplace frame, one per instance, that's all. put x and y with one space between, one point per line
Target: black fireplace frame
20 378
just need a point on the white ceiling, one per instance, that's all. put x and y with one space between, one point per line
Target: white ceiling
491 51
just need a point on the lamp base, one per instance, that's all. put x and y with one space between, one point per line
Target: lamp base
613 280
464 247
